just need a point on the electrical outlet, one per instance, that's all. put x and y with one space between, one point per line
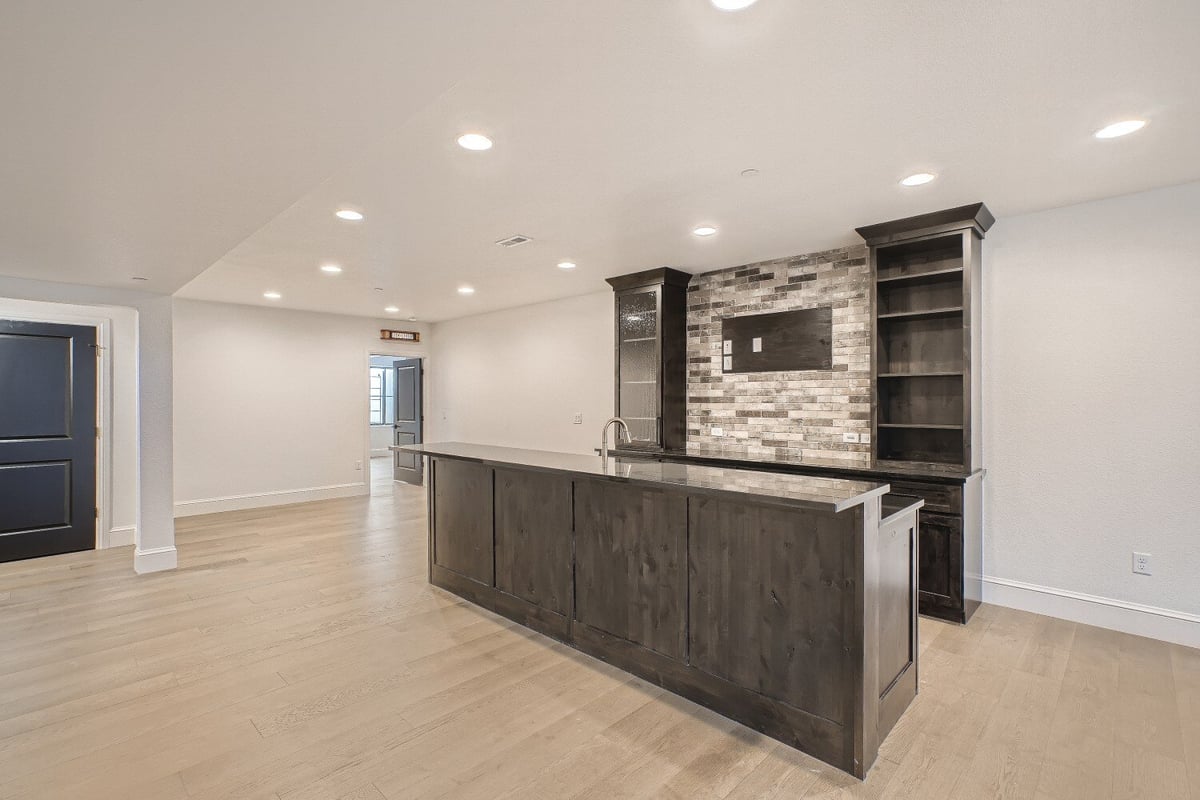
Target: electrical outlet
1141 563
850 438
578 419
864 438
717 431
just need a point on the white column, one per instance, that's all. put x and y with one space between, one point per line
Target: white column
155 548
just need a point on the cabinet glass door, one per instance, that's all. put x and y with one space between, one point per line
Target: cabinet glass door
637 364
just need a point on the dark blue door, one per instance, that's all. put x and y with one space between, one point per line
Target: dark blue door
47 439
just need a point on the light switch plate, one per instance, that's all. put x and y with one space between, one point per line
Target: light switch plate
756 344
727 362
864 438
727 346
851 438
717 431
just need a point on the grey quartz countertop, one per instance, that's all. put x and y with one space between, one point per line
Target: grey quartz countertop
806 491
734 457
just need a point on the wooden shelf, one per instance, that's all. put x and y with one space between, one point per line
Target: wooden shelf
920 426
917 276
920 375
931 312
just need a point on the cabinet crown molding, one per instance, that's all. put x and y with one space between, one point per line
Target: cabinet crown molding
975 216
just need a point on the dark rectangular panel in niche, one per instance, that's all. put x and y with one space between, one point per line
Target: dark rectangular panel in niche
786 341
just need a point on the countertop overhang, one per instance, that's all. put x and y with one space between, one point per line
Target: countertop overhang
803 491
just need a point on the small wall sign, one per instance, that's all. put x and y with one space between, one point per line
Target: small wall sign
400 336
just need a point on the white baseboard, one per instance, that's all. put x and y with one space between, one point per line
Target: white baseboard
1104 612
238 502
124 536
156 559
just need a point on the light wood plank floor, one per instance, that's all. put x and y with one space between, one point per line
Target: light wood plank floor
298 654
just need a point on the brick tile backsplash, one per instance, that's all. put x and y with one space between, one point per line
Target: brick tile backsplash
788 414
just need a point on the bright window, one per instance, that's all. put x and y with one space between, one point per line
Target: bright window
383 396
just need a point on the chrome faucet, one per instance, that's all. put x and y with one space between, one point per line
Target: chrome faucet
623 429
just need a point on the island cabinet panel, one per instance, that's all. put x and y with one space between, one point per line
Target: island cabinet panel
462 519
767 603
630 557
533 538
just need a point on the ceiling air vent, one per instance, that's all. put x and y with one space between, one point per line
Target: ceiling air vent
514 241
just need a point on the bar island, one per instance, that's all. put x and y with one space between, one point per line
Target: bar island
785 602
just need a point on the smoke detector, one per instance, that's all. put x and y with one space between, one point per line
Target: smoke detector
514 241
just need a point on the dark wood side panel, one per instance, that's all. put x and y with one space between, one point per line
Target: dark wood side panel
533 537
630 574
462 519
897 593
768 599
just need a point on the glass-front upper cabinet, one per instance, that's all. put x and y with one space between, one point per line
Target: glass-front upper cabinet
651 346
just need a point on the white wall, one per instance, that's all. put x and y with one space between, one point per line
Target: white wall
271 404
517 377
1092 408
118 456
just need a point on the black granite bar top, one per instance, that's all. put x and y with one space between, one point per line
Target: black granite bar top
738 459
824 493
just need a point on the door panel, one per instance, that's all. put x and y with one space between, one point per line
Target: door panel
47 439
407 467
941 562
630 564
533 537
462 519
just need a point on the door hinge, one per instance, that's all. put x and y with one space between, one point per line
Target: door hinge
97 513
97 431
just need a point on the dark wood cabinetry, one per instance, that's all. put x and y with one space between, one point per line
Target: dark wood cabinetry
927 276
462 520
797 620
533 538
630 564
651 356
927 344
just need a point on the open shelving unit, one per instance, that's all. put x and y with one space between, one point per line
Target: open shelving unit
925 270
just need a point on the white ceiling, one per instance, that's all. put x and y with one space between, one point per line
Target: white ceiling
209 149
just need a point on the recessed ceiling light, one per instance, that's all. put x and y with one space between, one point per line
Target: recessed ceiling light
1122 128
392 310
272 295
919 179
566 265
474 141
733 5
332 269
349 214
466 290
705 230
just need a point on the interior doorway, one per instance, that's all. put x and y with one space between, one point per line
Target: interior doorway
48 430
396 417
